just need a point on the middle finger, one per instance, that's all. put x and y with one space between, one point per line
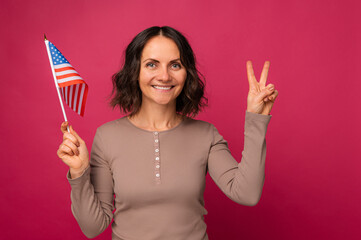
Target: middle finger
264 74
71 137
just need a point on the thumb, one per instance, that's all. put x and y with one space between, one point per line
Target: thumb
75 134
265 93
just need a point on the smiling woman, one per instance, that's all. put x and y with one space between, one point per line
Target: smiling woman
159 57
151 164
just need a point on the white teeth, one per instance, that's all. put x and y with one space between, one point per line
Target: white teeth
163 88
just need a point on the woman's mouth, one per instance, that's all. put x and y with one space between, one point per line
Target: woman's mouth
165 88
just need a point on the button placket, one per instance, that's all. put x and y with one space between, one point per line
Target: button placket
156 157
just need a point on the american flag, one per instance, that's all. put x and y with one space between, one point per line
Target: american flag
73 88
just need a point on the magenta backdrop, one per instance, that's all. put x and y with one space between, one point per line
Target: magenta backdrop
313 181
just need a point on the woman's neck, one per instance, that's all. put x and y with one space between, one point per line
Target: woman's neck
156 117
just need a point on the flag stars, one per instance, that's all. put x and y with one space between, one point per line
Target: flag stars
57 56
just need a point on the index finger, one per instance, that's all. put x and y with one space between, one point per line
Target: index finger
64 127
250 74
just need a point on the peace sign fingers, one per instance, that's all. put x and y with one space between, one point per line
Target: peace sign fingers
260 97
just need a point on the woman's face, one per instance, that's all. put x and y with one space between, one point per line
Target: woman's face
161 76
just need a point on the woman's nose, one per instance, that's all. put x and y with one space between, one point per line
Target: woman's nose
163 74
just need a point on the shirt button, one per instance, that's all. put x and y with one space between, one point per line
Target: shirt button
157 175
157 150
155 133
156 140
157 166
157 158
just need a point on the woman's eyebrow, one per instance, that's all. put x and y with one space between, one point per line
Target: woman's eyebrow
155 60
175 60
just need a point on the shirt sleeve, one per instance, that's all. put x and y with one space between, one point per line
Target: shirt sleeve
241 182
92 193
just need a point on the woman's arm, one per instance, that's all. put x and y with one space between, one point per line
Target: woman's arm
242 182
92 193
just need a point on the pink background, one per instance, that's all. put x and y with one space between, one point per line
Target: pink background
313 181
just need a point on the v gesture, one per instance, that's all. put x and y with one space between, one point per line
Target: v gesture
260 97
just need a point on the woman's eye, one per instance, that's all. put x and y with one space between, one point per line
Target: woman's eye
150 65
176 65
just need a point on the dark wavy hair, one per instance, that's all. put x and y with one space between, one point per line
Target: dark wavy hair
126 90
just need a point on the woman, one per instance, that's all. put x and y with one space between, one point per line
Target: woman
155 159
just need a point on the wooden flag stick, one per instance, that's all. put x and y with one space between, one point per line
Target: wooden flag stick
56 84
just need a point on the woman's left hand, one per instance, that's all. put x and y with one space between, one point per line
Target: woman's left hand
260 97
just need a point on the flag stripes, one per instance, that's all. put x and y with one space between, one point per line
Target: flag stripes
74 96
73 88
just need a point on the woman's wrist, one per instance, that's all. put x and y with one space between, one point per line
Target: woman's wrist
75 173
258 113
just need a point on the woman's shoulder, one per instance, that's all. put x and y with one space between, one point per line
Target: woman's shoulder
113 126
198 124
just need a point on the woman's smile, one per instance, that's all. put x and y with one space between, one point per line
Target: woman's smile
160 88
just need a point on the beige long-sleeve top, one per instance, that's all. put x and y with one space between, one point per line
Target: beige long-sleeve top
158 178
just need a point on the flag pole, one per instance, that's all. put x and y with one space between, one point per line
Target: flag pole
56 84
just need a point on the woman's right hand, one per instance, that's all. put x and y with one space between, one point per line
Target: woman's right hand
73 151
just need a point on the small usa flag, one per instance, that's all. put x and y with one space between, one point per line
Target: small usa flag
73 88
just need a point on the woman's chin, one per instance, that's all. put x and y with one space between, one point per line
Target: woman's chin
158 100
163 102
